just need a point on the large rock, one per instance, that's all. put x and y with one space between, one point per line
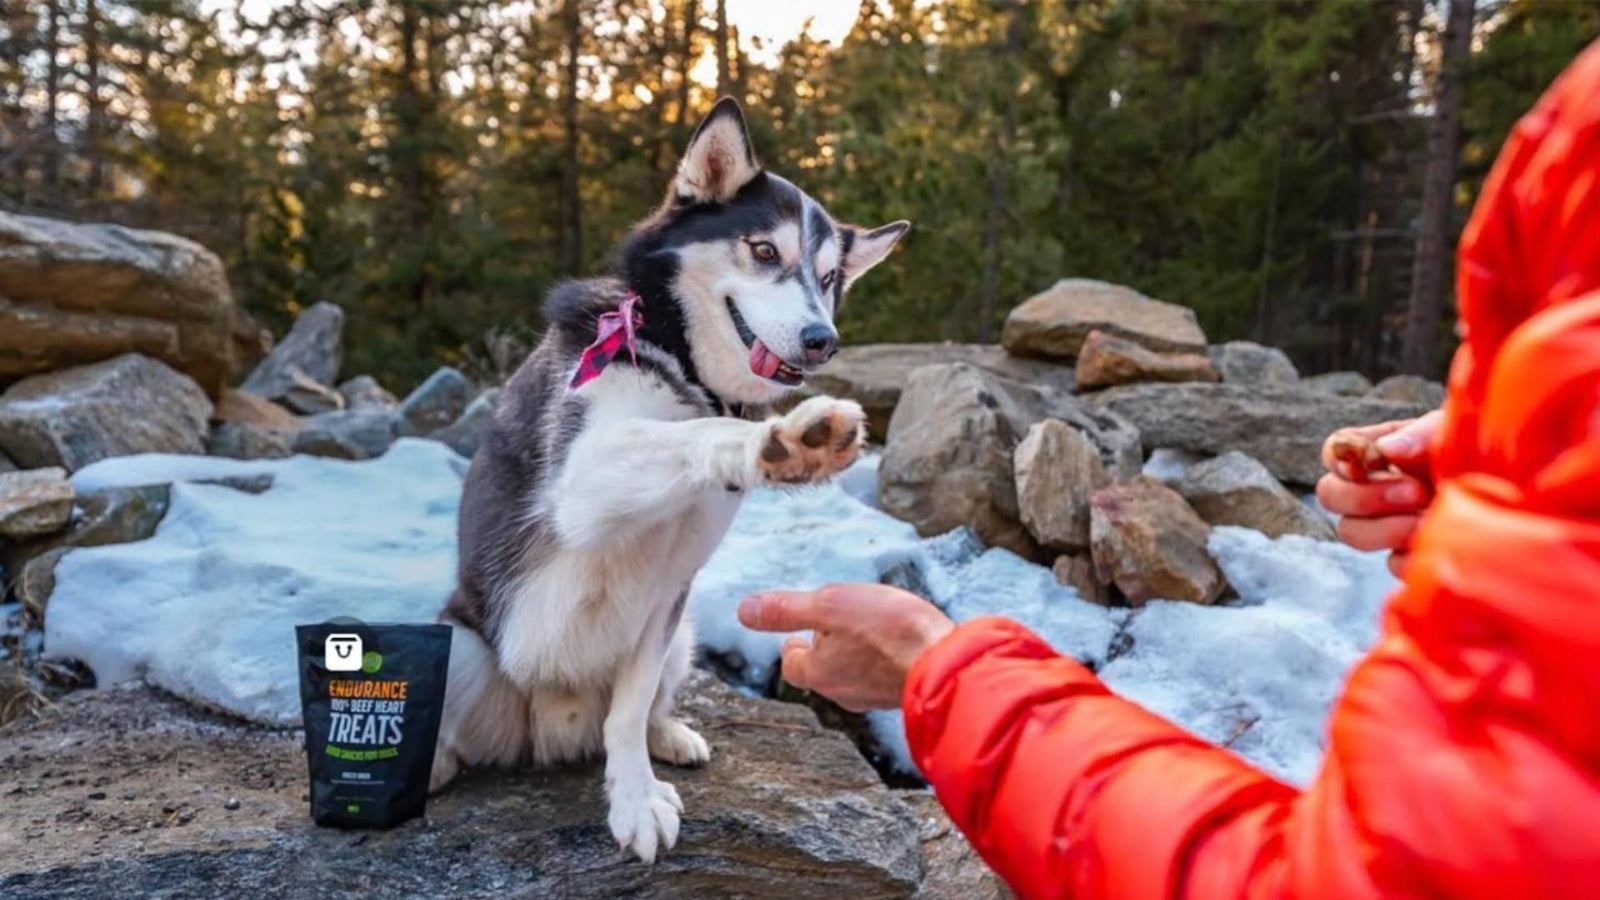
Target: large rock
1344 384
149 785
873 375
1106 360
249 409
1409 389
948 462
131 404
1151 545
1055 324
467 433
1282 427
348 434
1245 362
1056 470
74 294
310 355
1233 489
436 403
241 440
34 502
364 392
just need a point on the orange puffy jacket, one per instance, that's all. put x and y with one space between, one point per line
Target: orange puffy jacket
1464 755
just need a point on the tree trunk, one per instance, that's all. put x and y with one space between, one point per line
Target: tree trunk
571 223
94 134
724 63
52 93
1438 187
407 152
999 175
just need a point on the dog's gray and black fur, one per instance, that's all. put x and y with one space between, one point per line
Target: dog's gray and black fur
588 510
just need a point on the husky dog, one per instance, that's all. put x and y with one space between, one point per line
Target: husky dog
605 483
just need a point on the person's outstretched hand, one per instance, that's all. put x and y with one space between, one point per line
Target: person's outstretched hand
866 636
1382 514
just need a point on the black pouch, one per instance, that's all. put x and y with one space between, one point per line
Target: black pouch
371 697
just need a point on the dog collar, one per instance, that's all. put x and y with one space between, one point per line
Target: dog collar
614 330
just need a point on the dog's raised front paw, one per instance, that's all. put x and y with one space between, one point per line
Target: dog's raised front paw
815 441
673 742
644 815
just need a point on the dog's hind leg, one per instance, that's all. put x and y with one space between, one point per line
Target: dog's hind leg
485 717
565 724
669 739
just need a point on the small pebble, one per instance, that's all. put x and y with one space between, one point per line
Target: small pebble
233 803
129 795
98 795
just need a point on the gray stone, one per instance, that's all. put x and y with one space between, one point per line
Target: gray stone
1151 545
1245 362
313 350
466 435
784 806
111 516
6 465
1282 427
1233 489
34 502
1055 323
131 404
436 403
1409 389
308 396
348 434
241 440
73 294
1344 384
1056 470
948 462
364 392
875 374
1106 360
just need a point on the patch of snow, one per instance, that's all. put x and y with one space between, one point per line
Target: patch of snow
165 468
204 608
1259 676
1167 464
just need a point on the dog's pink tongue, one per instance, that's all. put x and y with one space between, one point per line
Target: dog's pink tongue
763 362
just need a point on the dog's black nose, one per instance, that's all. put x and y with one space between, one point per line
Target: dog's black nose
820 343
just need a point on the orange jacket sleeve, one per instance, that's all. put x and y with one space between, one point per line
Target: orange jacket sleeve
1463 757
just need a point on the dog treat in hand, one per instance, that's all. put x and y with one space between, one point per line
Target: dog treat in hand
371 697
1358 455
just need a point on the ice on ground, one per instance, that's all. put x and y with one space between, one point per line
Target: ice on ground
205 607
1259 675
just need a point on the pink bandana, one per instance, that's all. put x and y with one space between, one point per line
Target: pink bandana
615 330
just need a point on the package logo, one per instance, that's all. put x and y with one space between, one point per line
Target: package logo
371 662
342 653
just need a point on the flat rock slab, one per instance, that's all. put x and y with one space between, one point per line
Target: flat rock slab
125 792
1055 323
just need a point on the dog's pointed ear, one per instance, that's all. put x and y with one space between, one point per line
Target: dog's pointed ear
865 248
719 160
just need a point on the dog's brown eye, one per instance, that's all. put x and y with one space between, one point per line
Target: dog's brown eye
764 251
829 278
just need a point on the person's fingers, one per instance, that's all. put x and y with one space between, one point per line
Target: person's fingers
1397 563
782 611
1385 533
796 662
1370 432
1371 498
1407 446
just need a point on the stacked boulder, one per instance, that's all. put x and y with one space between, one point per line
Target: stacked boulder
1053 467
